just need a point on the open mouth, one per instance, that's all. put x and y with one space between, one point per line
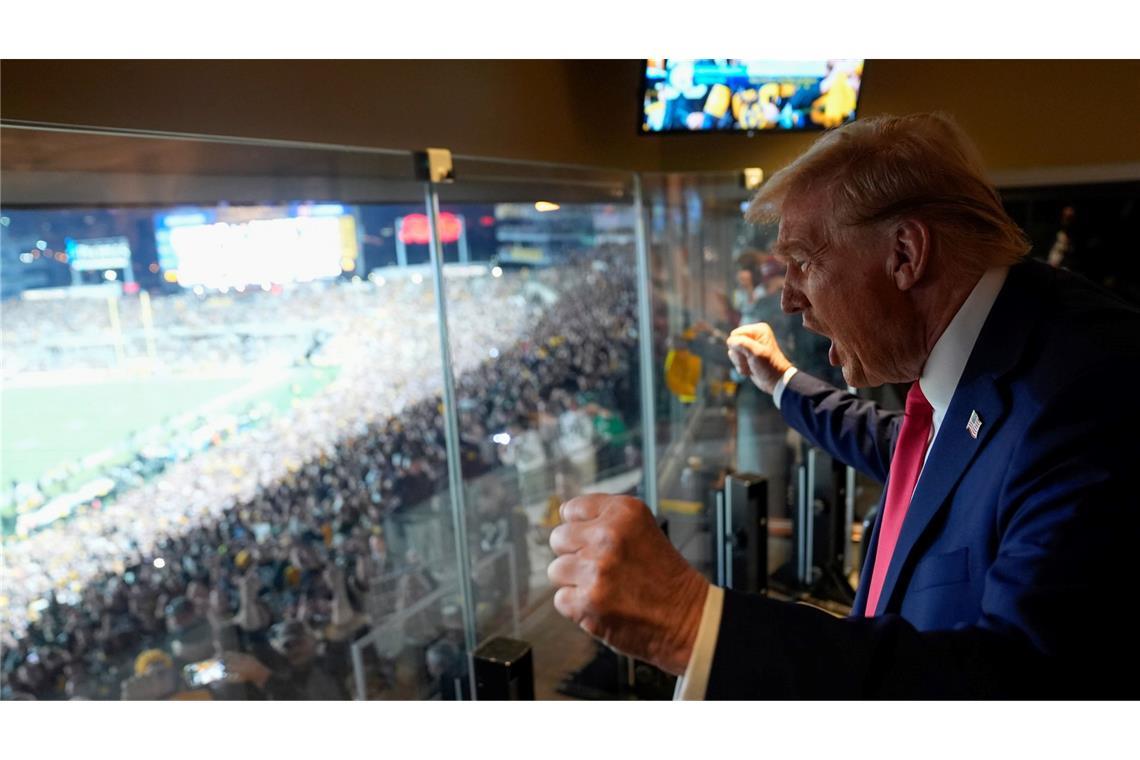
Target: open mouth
812 328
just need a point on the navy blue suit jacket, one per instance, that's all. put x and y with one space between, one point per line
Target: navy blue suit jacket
1013 571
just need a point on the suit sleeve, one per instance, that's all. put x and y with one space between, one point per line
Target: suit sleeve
852 430
1051 622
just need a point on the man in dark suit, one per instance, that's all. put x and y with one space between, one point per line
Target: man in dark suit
999 563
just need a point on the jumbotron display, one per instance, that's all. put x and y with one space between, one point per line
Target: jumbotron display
230 247
735 95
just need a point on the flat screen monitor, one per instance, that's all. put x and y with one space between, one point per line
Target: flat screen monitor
738 95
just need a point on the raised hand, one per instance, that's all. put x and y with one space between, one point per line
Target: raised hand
622 581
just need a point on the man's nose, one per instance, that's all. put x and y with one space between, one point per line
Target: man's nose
792 301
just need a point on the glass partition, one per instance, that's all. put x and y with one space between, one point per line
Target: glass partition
547 385
711 272
222 442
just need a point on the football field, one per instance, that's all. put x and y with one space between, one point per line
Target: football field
45 426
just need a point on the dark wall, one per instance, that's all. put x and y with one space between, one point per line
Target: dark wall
1024 114
562 111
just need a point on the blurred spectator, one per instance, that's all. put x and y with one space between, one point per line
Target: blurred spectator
301 673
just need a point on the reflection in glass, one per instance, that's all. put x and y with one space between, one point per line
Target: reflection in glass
712 273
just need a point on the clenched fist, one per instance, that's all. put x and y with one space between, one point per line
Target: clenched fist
755 353
620 579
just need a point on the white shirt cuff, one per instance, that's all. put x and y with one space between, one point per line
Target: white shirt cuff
782 383
695 682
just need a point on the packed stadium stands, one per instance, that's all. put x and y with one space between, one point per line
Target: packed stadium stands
274 532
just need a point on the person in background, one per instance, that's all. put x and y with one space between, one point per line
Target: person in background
448 667
191 639
1063 244
301 673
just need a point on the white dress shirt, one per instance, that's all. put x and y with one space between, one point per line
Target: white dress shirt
939 380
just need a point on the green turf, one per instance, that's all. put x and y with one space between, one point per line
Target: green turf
42 428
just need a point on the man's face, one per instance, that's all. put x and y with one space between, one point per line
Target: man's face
844 290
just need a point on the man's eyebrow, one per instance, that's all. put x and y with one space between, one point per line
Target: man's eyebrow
786 249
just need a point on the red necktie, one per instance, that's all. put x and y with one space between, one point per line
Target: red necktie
906 464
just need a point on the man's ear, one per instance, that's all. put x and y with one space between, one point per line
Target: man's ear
910 253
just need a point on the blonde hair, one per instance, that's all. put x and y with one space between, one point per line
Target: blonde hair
889 167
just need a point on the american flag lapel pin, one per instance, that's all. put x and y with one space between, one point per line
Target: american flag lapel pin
974 425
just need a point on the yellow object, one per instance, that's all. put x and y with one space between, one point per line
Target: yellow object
716 105
746 108
553 517
723 390
832 109
348 243
683 372
654 114
150 659
769 94
681 507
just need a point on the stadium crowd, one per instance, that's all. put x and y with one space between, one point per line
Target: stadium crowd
194 330
280 545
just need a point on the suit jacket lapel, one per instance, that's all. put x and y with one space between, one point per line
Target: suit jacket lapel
953 450
998 349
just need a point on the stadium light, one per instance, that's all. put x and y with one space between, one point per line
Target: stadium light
546 206
496 271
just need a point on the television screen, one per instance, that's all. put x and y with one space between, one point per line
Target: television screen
735 95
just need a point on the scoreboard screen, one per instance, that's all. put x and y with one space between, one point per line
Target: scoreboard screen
232 247
98 253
